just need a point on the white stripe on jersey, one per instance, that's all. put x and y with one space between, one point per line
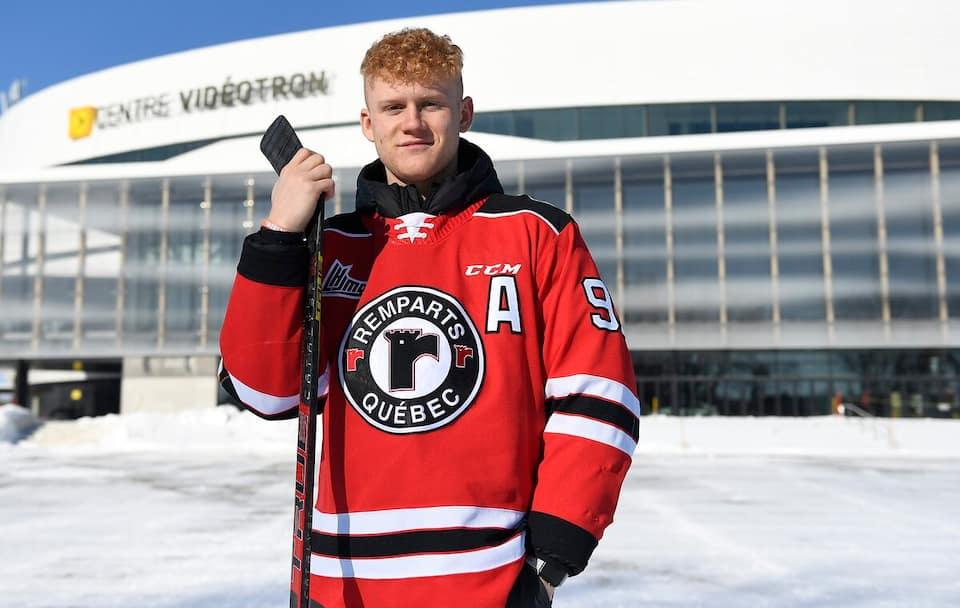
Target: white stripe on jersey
509 213
593 386
429 564
588 428
423 518
268 404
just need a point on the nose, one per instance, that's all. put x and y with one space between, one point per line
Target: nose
411 118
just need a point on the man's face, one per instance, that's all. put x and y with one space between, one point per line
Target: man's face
415 127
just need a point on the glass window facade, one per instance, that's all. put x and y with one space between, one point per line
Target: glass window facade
799 236
593 206
941 110
610 122
746 226
749 241
645 241
184 267
156 253
808 114
747 116
948 155
679 119
910 235
876 112
20 233
142 272
60 232
783 251
694 210
104 239
561 124
228 215
853 234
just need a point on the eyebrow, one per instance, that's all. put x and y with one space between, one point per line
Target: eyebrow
402 101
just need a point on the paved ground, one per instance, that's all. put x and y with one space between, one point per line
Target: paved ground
209 529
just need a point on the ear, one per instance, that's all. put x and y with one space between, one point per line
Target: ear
366 124
466 114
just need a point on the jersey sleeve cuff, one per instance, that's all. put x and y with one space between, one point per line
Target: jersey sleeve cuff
275 258
560 542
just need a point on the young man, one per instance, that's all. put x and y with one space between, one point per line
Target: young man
480 406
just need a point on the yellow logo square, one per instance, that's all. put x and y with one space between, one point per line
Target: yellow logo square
81 121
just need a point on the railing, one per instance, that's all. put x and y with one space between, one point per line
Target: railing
879 427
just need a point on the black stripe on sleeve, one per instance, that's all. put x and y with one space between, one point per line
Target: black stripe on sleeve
406 543
227 384
598 409
275 258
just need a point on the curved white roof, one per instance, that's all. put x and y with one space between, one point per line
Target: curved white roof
654 51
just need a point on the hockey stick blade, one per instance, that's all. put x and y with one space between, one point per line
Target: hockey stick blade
280 143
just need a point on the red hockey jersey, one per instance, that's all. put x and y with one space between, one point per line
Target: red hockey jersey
480 399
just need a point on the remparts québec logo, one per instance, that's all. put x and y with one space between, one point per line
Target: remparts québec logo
411 360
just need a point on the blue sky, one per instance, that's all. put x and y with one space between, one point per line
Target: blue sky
48 42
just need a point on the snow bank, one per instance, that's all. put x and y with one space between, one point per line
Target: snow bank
15 423
226 427
193 429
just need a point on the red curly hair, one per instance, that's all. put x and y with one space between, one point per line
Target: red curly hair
413 55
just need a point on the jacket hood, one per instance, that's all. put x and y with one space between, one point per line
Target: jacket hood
474 179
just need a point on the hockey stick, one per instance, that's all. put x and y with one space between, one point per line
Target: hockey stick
279 144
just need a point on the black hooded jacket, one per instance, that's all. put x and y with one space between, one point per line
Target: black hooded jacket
474 179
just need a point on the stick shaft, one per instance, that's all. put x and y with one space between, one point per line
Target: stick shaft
307 418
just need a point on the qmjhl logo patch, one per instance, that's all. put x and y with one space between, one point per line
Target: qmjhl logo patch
337 282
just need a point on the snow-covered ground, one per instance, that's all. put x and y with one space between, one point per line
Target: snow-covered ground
195 509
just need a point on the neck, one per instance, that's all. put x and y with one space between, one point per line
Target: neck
424 187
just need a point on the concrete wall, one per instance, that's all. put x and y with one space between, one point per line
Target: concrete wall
166 384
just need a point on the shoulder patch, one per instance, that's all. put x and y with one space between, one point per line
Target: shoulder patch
505 204
347 224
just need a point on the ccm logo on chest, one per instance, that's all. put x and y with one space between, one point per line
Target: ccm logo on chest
490 270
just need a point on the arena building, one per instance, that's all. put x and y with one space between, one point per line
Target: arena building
771 191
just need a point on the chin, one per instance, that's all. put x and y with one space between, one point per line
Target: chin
412 173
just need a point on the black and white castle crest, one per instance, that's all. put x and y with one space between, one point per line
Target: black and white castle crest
411 360
338 282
